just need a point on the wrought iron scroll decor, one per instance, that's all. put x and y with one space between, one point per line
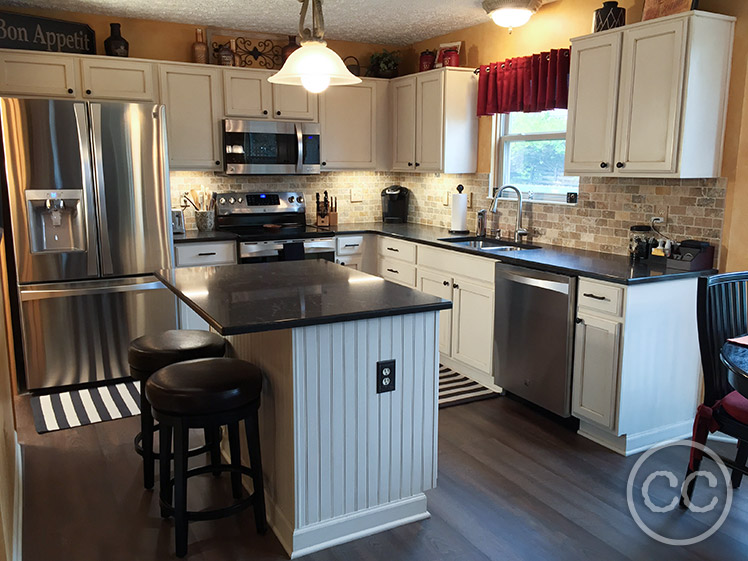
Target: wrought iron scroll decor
263 54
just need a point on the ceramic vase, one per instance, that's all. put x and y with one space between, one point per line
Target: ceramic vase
291 47
115 44
199 48
610 16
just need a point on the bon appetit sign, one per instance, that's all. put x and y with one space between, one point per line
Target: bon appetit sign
18 31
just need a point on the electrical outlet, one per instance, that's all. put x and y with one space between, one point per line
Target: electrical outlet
660 212
385 376
470 200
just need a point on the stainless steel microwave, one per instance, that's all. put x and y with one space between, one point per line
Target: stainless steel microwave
270 147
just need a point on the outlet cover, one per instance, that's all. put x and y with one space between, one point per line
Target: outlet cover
385 376
357 195
661 211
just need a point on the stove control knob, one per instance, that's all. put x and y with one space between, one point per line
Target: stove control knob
239 200
291 199
222 201
299 199
232 200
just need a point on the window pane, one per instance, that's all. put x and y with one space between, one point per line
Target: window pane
537 166
545 121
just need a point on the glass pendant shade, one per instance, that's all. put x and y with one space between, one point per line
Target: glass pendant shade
315 67
511 17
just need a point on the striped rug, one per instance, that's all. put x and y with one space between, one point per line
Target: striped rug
456 389
64 410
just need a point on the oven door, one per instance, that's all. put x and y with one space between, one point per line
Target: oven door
287 250
266 147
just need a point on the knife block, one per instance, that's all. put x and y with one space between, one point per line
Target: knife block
324 220
332 218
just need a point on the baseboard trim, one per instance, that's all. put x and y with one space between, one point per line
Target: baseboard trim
18 502
629 444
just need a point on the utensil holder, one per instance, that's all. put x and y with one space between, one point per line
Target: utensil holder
205 220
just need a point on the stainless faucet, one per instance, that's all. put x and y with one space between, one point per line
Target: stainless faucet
519 231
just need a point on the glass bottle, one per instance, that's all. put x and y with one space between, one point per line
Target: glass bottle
199 48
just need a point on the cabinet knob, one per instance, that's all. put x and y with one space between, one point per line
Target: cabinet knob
455 285
446 283
70 90
218 163
324 163
277 112
88 92
265 112
410 163
579 320
603 165
619 165
417 164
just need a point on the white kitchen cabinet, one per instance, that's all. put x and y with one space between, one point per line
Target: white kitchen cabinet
596 360
247 94
294 103
472 324
194 108
434 123
354 127
201 254
109 78
439 285
38 74
650 99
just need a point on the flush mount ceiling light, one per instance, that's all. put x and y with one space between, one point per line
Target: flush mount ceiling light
313 66
511 13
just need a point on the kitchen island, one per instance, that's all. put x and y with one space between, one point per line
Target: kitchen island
341 461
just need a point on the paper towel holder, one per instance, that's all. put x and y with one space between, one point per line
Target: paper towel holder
460 189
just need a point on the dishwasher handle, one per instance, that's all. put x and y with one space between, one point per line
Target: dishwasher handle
546 284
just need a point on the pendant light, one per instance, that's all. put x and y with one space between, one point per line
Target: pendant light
511 13
313 66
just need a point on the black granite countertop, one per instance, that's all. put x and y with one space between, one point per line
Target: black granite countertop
237 299
192 236
564 260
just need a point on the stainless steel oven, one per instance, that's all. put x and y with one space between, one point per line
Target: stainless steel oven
269 147
263 251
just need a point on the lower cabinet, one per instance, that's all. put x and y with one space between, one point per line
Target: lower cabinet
439 285
472 324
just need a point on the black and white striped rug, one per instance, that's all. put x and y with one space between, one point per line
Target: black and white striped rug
456 389
64 410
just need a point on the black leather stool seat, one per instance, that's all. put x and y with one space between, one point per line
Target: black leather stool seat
204 386
153 352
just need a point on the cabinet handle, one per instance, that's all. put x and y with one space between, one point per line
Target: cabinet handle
619 165
265 112
409 163
70 90
393 249
446 283
593 296
603 165
206 254
394 271
351 245
455 285
88 92
278 113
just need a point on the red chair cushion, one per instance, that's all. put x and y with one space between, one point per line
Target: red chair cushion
736 406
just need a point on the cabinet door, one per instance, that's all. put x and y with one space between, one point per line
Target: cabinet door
39 74
439 285
593 101
403 99
104 78
652 66
348 117
294 103
472 324
247 94
429 122
193 110
595 382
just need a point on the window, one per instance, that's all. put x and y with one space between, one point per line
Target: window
529 154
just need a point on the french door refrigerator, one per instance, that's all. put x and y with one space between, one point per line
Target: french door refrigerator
88 191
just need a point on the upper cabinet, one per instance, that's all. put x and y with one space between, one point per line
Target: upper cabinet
650 99
109 78
38 74
247 94
354 126
434 123
194 108
294 103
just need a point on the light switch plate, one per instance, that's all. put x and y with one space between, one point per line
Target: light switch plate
357 195
446 198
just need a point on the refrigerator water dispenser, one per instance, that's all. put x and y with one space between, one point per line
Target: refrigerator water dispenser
56 221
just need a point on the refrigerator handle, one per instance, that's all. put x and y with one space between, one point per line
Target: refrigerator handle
81 123
106 249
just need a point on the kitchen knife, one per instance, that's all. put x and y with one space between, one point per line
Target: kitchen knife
327 204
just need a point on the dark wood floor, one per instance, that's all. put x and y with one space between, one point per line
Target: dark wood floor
513 485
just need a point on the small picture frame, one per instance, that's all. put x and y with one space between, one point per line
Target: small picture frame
444 47
661 8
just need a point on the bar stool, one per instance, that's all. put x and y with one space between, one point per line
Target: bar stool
207 393
148 354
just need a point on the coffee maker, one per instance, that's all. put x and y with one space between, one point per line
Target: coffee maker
395 204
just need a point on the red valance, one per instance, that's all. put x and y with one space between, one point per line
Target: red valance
532 83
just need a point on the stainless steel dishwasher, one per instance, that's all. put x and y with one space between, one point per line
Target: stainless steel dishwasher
534 335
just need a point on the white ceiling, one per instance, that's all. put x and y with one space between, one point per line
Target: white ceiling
399 22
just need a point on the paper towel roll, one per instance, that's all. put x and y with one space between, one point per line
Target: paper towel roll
459 212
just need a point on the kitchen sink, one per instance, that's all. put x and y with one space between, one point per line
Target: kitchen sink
488 244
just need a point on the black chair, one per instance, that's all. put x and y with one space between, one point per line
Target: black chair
150 353
722 313
207 393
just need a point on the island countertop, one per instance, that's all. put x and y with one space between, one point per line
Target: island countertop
236 299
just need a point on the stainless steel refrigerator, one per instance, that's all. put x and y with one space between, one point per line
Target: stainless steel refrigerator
88 191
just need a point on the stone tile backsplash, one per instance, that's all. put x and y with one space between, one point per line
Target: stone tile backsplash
600 221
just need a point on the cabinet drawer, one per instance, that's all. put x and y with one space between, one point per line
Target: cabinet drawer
210 253
349 245
404 251
601 297
475 268
397 271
